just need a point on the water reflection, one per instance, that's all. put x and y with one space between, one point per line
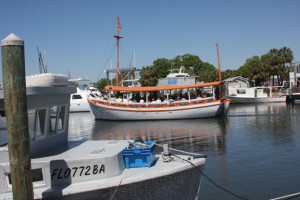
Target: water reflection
194 135
276 123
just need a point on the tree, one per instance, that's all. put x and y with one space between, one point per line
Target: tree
162 66
229 74
149 76
102 83
266 67
287 58
276 64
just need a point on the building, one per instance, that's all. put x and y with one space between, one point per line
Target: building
294 75
236 82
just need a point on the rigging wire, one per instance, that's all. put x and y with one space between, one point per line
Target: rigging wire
105 55
106 63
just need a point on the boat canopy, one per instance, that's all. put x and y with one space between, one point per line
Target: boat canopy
158 88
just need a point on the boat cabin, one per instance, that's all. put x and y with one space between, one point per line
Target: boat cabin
48 102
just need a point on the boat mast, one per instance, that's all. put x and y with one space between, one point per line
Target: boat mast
220 76
118 38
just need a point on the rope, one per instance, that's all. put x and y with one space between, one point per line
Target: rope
166 159
240 197
202 155
185 152
290 196
113 195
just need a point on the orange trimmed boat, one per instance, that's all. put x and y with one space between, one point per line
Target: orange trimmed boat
137 103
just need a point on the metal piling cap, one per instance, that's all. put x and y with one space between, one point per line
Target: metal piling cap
12 39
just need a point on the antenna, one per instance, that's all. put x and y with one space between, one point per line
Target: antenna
43 68
45 61
134 61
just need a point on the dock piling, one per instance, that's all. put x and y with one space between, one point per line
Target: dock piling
15 101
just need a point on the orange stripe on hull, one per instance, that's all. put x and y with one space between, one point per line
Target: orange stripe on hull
156 110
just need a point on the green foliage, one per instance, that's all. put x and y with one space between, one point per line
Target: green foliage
162 66
149 76
193 65
274 63
229 74
259 69
102 83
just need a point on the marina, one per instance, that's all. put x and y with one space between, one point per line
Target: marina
253 153
170 125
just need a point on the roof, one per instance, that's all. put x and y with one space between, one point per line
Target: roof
159 88
236 78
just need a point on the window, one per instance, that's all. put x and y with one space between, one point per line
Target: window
61 118
40 122
76 96
31 122
241 91
57 118
53 117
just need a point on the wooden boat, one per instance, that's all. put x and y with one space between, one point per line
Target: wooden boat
182 109
162 108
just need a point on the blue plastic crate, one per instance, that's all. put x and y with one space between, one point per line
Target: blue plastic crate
140 157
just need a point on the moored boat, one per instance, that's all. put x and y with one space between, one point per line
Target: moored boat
255 95
78 100
154 103
168 109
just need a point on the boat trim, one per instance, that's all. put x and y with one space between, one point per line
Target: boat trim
159 88
180 105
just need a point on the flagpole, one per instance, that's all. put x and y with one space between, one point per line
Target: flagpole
118 38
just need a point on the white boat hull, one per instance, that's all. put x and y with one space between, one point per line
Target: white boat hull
237 100
96 170
79 106
180 183
206 110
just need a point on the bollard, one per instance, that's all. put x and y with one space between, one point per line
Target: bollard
15 101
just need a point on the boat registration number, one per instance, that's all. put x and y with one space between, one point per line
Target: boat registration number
61 173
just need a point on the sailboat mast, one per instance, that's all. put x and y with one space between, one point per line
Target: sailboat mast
220 76
118 38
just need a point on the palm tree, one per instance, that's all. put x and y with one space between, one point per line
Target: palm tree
265 61
276 64
287 55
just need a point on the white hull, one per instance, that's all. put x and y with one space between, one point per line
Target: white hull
79 102
204 110
77 174
140 183
235 99
79 106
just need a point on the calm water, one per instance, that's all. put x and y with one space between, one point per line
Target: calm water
254 153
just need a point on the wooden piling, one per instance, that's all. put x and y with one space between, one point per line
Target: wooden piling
13 72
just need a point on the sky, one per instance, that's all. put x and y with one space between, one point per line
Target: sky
78 35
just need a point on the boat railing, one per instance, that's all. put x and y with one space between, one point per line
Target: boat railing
155 104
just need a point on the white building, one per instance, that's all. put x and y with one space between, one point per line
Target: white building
294 75
236 82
